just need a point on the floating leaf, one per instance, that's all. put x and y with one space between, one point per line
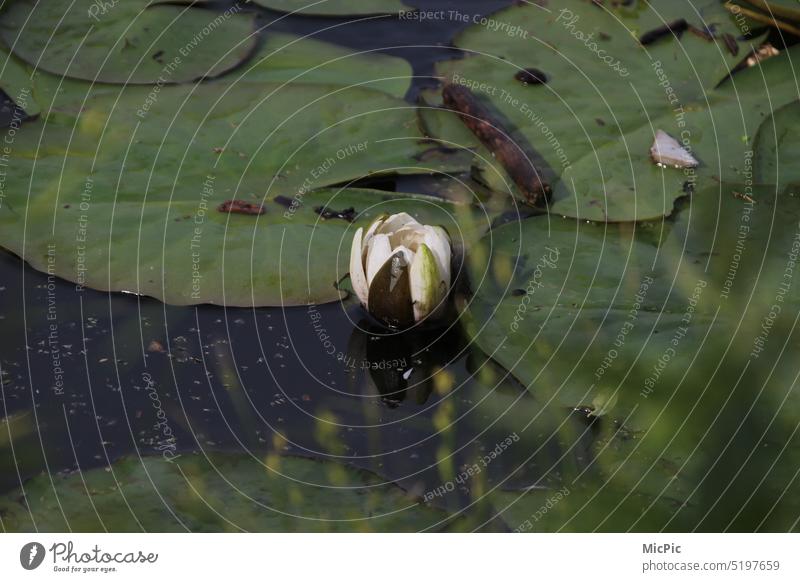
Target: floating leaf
618 487
285 58
720 454
595 119
576 309
125 185
135 41
15 81
230 492
777 149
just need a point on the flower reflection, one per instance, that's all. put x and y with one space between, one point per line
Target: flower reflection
400 367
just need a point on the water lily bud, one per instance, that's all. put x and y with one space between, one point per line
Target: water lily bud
400 270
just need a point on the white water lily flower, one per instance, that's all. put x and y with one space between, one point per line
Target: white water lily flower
400 269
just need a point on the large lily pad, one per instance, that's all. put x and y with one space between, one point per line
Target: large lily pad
608 482
135 41
217 493
680 335
287 58
593 122
667 479
719 455
125 185
15 80
583 312
281 58
335 7
778 148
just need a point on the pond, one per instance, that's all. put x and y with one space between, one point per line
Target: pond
124 413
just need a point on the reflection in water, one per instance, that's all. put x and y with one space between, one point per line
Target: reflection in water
400 366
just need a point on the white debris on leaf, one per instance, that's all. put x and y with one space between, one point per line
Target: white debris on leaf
668 152
764 52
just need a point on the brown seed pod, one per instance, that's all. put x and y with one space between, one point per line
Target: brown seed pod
516 157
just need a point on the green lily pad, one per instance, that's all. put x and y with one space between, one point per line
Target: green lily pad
594 120
717 453
186 252
601 499
230 492
778 147
335 7
584 312
577 472
136 41
717 450
15 80
661 480
281 58
126 187
287 58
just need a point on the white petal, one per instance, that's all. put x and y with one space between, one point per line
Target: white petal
426 290
409 236
667 151
396 222
371 231
377 254
438 242
408 254
357 277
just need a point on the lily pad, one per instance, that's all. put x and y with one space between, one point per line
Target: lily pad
665 479
717 453
126 184
188 252
280 58
601 495
778 147
15 80
285 58
614 78
579 310
231 492
136 41
688 328
335 7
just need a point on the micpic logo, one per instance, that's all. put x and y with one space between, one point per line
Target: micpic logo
31 555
